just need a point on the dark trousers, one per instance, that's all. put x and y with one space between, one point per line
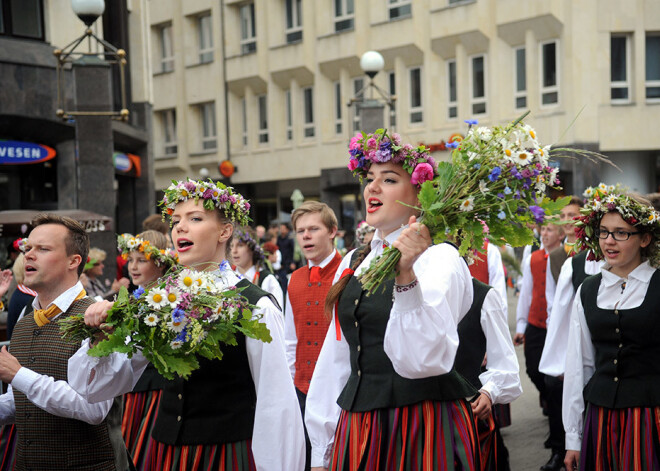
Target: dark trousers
534 341
554 388
302 400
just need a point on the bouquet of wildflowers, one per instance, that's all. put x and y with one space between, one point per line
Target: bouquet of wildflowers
493 188
183 315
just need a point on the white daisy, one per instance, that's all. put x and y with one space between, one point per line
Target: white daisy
468 204
602 187
483 186
523 157
175 344
157 298
484 133
132 243
610 199
588 193
174 297
187 281
151 319
176 326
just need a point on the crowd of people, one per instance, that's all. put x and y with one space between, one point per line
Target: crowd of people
418 375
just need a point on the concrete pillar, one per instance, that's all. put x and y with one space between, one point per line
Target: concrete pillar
371 115
95 169
67 175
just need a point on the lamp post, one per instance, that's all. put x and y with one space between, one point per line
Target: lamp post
369 110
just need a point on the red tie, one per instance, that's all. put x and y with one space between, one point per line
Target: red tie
315 274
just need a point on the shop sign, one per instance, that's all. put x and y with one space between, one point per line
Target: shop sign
127 164
18 152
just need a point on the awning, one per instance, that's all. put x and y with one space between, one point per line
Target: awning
16 223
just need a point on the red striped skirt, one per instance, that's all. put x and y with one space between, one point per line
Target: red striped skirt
427 436
235 456
7 446
621 439
140 411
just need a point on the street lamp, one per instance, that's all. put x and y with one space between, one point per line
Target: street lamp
89 11
370 110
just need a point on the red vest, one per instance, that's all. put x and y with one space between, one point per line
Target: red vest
479 269
307 304
538 310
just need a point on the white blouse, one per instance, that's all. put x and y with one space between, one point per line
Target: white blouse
270 284
553 359
580 353
501 380
278 440
420 339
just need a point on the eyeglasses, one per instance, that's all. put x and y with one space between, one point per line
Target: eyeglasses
619 236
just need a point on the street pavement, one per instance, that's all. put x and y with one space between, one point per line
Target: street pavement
529 428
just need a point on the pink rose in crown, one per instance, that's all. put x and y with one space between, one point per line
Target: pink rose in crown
352 164
422 173
354 142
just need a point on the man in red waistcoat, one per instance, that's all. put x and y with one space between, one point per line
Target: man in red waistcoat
56 427
305 323
537 293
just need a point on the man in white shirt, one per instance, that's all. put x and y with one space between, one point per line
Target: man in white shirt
56 427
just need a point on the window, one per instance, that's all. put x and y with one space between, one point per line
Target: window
338 108
344 15
166 50
293 21
452 101
399 9
205 39
391 89
416 113
619 69
478 78
308 103
245 126
289 116
168 125
358 92
653 67
248 31
549 74
207 114
22 18
520 92
262 106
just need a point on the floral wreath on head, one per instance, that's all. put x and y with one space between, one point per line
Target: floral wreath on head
380 147
608 198
20 244
213 196
362 230
244 236
161 257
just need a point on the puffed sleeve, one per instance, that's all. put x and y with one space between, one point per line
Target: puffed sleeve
525 297
496 277
330 376
421 337
278 438
501 380
580 366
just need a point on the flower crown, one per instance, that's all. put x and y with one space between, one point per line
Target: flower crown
214 195
20 244
364 149
128 243
245 237
607 198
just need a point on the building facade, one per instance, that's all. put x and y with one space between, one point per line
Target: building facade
266 84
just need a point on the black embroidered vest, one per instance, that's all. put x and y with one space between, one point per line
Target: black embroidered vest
627 349
471 338
217 403
373 383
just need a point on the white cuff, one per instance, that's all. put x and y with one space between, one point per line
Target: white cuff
320 457
573 441
24 379
409 300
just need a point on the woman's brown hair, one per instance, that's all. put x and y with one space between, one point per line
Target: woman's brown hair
338 288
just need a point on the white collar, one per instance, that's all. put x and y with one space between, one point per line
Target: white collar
324 262
643 272
64 300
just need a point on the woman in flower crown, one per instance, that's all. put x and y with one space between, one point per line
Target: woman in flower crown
250 261
384 394
238 413
148 258
611 404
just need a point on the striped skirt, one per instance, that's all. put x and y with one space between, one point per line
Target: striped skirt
235 456
7 445
427 436
140 411
621 439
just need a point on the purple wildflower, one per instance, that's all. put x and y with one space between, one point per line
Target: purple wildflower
538 212
495 174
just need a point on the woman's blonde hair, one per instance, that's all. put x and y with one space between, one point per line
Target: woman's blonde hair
19 269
